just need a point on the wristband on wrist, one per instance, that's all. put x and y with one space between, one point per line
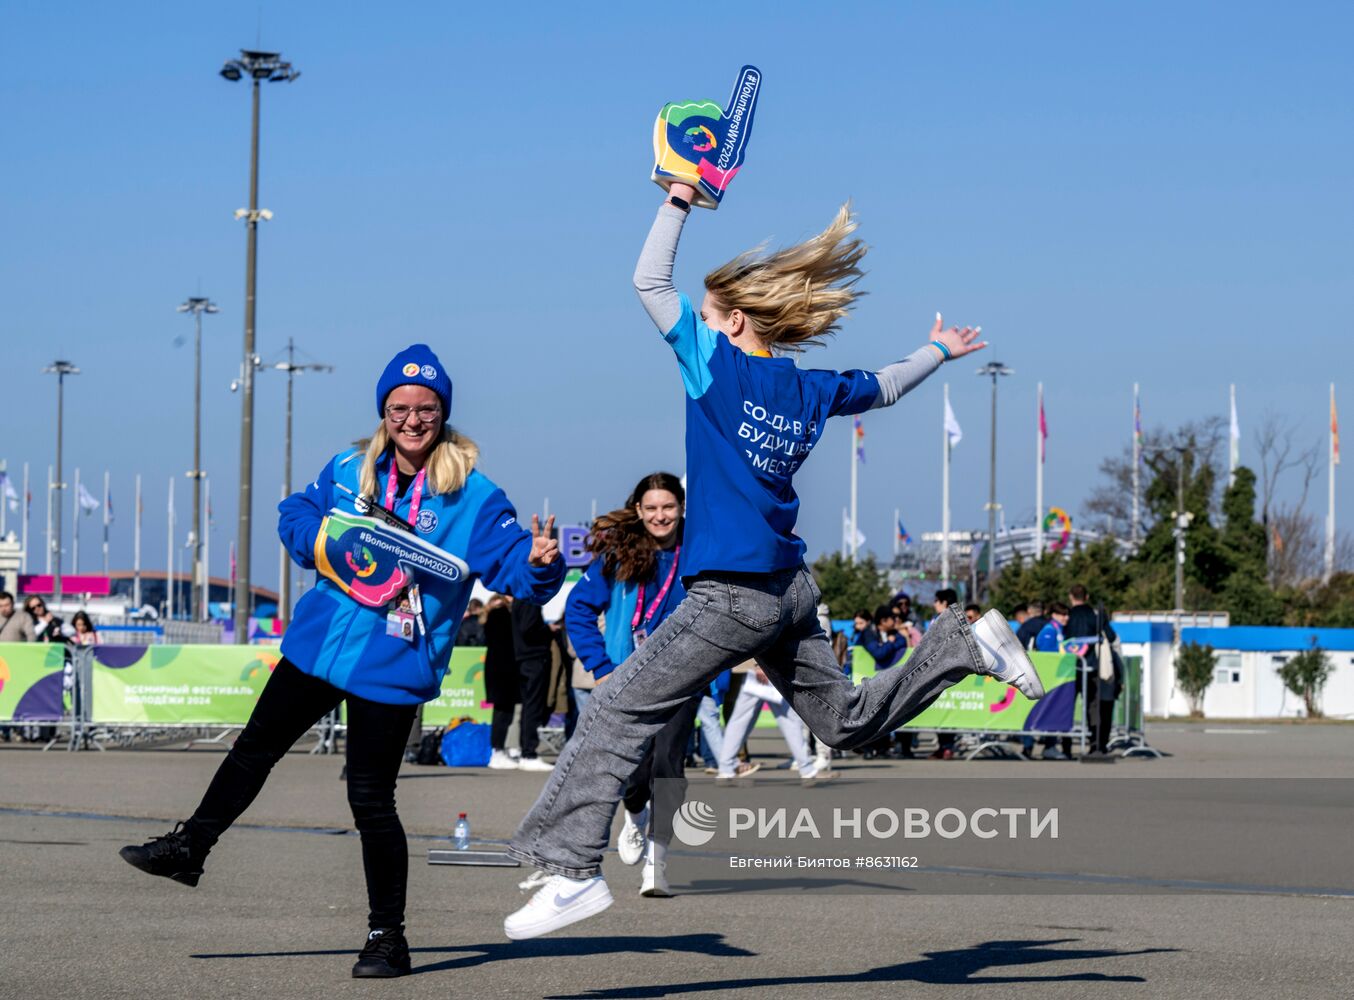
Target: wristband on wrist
681 203
945 354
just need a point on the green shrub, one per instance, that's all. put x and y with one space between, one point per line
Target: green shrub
1194 666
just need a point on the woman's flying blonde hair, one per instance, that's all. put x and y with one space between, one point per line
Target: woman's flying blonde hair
449 465
795 297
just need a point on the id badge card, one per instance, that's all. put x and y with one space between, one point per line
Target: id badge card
640 634
400 625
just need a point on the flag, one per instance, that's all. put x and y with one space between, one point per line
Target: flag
846 534
1334 430
29 500
87 501
952 429
1043 428
1235 453
10 495
860 437
903 536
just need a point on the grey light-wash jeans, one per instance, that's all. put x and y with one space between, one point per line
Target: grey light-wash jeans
725 619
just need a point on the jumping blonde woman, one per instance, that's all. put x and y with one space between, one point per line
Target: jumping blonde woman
752 419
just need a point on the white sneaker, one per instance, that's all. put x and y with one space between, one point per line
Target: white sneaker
631 844
500 761
810 776
559 901
654 881
1003 657
534 764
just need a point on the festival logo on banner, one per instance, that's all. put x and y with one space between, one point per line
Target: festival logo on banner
698 143
373 563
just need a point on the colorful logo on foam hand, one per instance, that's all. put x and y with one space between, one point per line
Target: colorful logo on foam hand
704 135
373 563
368 562
702 144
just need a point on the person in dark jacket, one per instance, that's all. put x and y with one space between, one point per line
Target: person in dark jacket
532 640
501 685
472 627
1090 622
1029 628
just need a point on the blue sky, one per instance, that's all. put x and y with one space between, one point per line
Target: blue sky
1142 192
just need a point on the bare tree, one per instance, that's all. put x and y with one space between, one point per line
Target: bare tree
1112 497
1278 455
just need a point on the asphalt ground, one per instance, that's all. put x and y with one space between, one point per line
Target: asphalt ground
281 909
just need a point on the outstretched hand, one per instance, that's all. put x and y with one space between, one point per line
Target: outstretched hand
544 548
958 342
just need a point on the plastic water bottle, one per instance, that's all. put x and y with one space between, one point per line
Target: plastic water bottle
460 836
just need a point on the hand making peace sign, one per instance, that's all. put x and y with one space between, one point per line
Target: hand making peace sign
544 548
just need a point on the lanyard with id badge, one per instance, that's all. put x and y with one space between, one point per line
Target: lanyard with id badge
639 624
406 611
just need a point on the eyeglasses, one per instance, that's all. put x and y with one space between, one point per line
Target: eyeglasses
426 414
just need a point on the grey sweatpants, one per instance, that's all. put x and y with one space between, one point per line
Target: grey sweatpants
724 620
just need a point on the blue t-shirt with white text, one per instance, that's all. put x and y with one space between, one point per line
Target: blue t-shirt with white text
750 424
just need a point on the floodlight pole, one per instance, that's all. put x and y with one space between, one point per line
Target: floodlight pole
197 305
60 369
259 66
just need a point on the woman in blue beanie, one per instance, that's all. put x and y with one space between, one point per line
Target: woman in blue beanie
337 649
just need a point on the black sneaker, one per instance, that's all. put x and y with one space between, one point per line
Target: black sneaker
384 956
172 856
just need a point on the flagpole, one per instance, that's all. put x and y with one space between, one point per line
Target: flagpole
4 499
75 537
854 473
1039 475
283 568
1234 444
207 551
846 523
945 496
897 519
136 548
28 506
169 555
105 522
1137 463
1330 476
48 534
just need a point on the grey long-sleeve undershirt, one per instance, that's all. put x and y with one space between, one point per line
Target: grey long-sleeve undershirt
653 282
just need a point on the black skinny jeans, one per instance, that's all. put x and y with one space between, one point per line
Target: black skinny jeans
664 762
292 702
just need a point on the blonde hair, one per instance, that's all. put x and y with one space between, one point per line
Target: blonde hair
449 464
797 296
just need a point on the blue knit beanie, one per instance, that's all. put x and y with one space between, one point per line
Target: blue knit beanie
415 365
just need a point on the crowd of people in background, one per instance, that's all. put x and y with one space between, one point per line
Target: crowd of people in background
530 663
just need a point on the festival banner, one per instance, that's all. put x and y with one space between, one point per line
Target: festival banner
462 690
985 704
177 685
31 681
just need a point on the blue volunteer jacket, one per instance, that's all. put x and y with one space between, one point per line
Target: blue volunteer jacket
597 594
338 640
885 652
